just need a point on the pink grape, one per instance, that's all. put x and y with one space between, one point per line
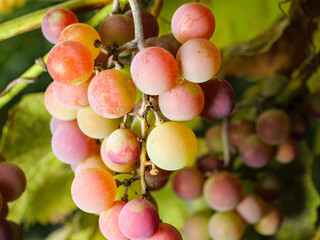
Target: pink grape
270 223
55 123
112 93
139 219
95 126
251 208
163 43
287 151
196 226
72 97
122 168
172 41
222 191
12 181
254 152
187 183
172 145
209 164
214 139
154 70
220 99
93 190
312 105
122 146
70 145
239 130
166 232
183 102
94 161
198 60
226 226
273 126
6 232
55 108
109 222
55 20
70 63
192 20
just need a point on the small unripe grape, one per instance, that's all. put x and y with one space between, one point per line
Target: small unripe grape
287 151
196 227
239 130
270 223
214 139
312 104
166 232
269 186
251 208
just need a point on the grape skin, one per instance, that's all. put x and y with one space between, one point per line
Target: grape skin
196 226
166 232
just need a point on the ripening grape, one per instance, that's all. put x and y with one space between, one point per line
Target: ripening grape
239 130
269 186
109 222
222 191
70 63
187 183
55 20
55 123
312 104
214 139
93 190
139 219
226 226
116 28
172 145
16 230
55 108
299 124
166 232
156 182
112 93
270 222
94 125
254 152
94 161
12 181
251 208
198 60
172 41
183 102
287 151
72 97
83 33
192 20
122 146
70 145
209 164
162 43
6 232
196 226
154 70
273 126
220 99
149 23
134 191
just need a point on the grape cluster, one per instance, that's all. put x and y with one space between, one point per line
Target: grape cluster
12 185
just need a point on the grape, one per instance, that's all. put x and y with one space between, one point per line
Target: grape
269 186
220 99
55 20
6 232
93 190
149 24
55 108
109 222
83 33
214 139
70 145
171 146
114 166
162 43
270 222
312 105
254 152
196 227
183 102
172 41
116 28
299 124
139 219
112 93
4 211
122 146
94 161
209 164
12 181
273 126
16 230
1 202
187 184
166 232
198 60
239 130
192 20
72 97
70 63
156 182
154 70
222 191
134 191
94 125
287 151
55 123
251 208
226 226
